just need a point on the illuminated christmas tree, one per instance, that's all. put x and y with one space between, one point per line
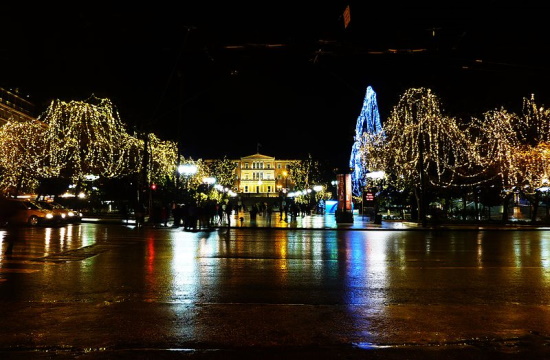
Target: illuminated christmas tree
368 124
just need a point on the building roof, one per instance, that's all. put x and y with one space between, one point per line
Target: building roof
257 156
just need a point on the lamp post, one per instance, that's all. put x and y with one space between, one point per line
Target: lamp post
284 193
544 189
209 182
374 179
316 189
285 176
187 170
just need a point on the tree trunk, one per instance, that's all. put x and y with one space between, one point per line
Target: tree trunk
19 184
535 204
476 206
464 204
505 203
420 205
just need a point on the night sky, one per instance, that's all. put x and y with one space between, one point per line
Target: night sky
223 78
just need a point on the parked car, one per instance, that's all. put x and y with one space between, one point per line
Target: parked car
27 212
68 215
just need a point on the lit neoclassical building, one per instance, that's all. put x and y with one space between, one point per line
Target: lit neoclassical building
263 176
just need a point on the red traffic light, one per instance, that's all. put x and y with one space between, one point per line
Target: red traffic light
153 186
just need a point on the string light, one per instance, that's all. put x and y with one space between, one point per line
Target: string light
88 137
163 157
78 139
419 138
22 149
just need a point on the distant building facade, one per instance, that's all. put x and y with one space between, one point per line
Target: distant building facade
263 175
13 107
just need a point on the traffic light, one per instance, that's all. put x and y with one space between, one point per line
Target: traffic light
153 186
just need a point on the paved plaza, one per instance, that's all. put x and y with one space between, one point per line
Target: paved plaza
243 219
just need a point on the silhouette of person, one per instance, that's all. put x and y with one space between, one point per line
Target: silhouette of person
228 211
13 234
7 212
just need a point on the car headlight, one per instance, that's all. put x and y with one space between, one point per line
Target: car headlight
71 214
49 216
63 216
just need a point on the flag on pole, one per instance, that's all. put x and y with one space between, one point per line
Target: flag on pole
347 17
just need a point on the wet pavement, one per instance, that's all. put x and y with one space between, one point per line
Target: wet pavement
275 220
252 291
328 222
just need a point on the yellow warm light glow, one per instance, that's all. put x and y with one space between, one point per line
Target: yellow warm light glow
418 138
75 139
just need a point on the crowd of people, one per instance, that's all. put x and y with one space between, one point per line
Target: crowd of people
194 216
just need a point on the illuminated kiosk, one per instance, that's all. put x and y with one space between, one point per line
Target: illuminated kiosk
344 212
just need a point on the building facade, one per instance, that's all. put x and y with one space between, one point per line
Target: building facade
263 176
13 107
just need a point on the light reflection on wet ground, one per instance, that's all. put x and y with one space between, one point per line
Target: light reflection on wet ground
272 287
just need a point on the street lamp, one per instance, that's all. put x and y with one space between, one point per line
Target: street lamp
209 180
375 175
334 184
187 170
315 198
283 194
